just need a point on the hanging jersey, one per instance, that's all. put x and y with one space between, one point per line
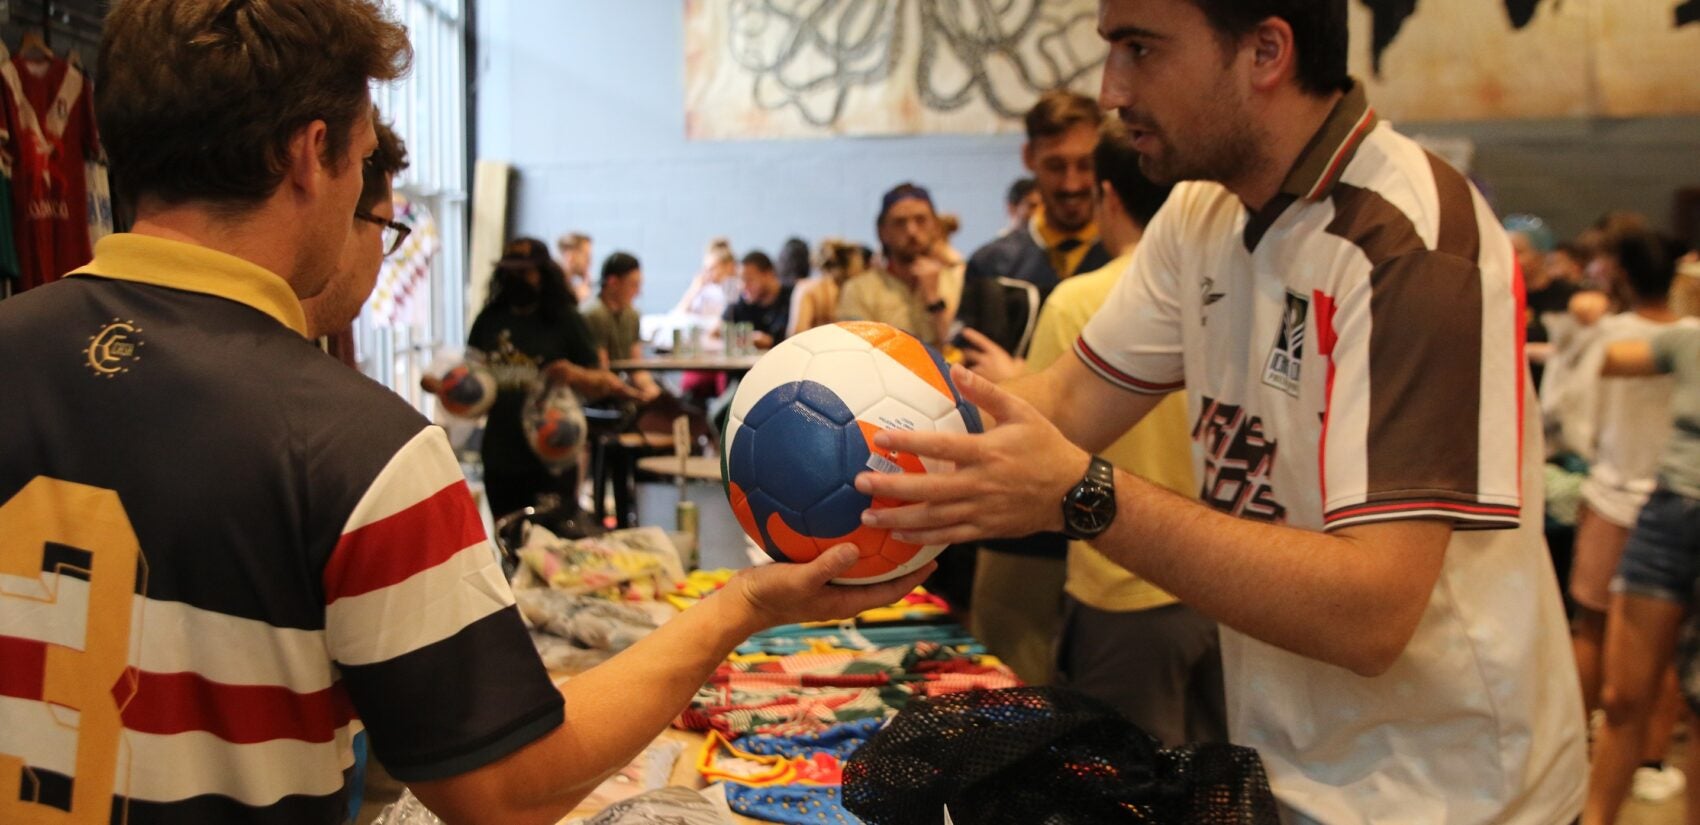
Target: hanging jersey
51 104
99 201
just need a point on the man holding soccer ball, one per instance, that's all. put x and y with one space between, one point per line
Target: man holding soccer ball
1340 308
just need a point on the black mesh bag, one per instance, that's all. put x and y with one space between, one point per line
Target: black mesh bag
1045 756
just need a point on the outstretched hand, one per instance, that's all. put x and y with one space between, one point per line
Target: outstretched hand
791 593
1007 482
988 360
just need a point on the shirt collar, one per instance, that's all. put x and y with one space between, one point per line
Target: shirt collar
145 259
1048 236
1322 162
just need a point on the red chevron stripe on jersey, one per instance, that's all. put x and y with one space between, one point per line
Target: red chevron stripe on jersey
366 559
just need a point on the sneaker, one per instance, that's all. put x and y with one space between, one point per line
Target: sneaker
1655 785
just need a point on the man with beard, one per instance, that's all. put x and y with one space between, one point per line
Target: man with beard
1061 236
1342 310
913 291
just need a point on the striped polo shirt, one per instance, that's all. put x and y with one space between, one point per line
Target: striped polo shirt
1352 354
223 553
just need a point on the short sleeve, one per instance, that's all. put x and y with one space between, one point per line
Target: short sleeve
1426 394
1134 342
421 623
1673 346
601 330
577 344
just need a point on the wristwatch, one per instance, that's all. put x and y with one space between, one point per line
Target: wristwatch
936 307
1089 508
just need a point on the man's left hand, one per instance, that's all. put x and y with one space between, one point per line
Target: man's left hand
990 361
1009 481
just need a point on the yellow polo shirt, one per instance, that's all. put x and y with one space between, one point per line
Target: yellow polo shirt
1158 449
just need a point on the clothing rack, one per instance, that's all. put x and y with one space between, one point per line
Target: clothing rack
72 23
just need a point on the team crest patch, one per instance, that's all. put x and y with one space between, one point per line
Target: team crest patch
1281 369
113 349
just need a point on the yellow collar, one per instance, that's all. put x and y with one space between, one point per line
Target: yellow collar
145 259
1048 236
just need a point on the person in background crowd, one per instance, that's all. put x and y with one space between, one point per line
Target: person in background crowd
814 302
1392 635
1019 204
1117 637
1654 586
765 303
713 288
1620 426
793 262
613 321
1547 297
913 290
529 331
331 313
575 251
1061 238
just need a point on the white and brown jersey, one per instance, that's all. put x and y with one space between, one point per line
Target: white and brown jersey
222 554
1352 353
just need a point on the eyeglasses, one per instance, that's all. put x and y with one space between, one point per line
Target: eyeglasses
395 232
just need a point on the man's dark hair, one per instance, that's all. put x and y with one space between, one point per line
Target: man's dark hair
522 255
792 265
1319 34
200 99
1060 110
1648 260
758 259
618 265
387 161
1019 190
1117 163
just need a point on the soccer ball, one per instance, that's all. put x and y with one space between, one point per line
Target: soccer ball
554 424
802 426
468 390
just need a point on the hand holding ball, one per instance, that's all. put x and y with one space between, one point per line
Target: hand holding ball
802 427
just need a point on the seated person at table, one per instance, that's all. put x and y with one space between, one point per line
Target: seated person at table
814 301
613 320
712 290
765 303
912 290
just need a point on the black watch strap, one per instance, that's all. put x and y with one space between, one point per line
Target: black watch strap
1101 471
1090 506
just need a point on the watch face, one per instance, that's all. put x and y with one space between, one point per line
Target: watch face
1090 508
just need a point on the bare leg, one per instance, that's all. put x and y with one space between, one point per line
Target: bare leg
1640 641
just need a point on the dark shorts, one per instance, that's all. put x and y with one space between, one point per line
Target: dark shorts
1662 558
1162 668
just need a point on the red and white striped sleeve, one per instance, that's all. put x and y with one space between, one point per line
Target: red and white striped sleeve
421 621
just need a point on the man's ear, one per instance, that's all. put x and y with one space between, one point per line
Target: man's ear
1274 58
307 157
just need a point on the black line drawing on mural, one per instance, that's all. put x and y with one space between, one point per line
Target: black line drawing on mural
809 55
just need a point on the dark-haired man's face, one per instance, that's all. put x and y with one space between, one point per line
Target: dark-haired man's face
760 285
909 229
1062 165
1182 91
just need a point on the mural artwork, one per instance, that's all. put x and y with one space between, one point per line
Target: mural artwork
818 68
